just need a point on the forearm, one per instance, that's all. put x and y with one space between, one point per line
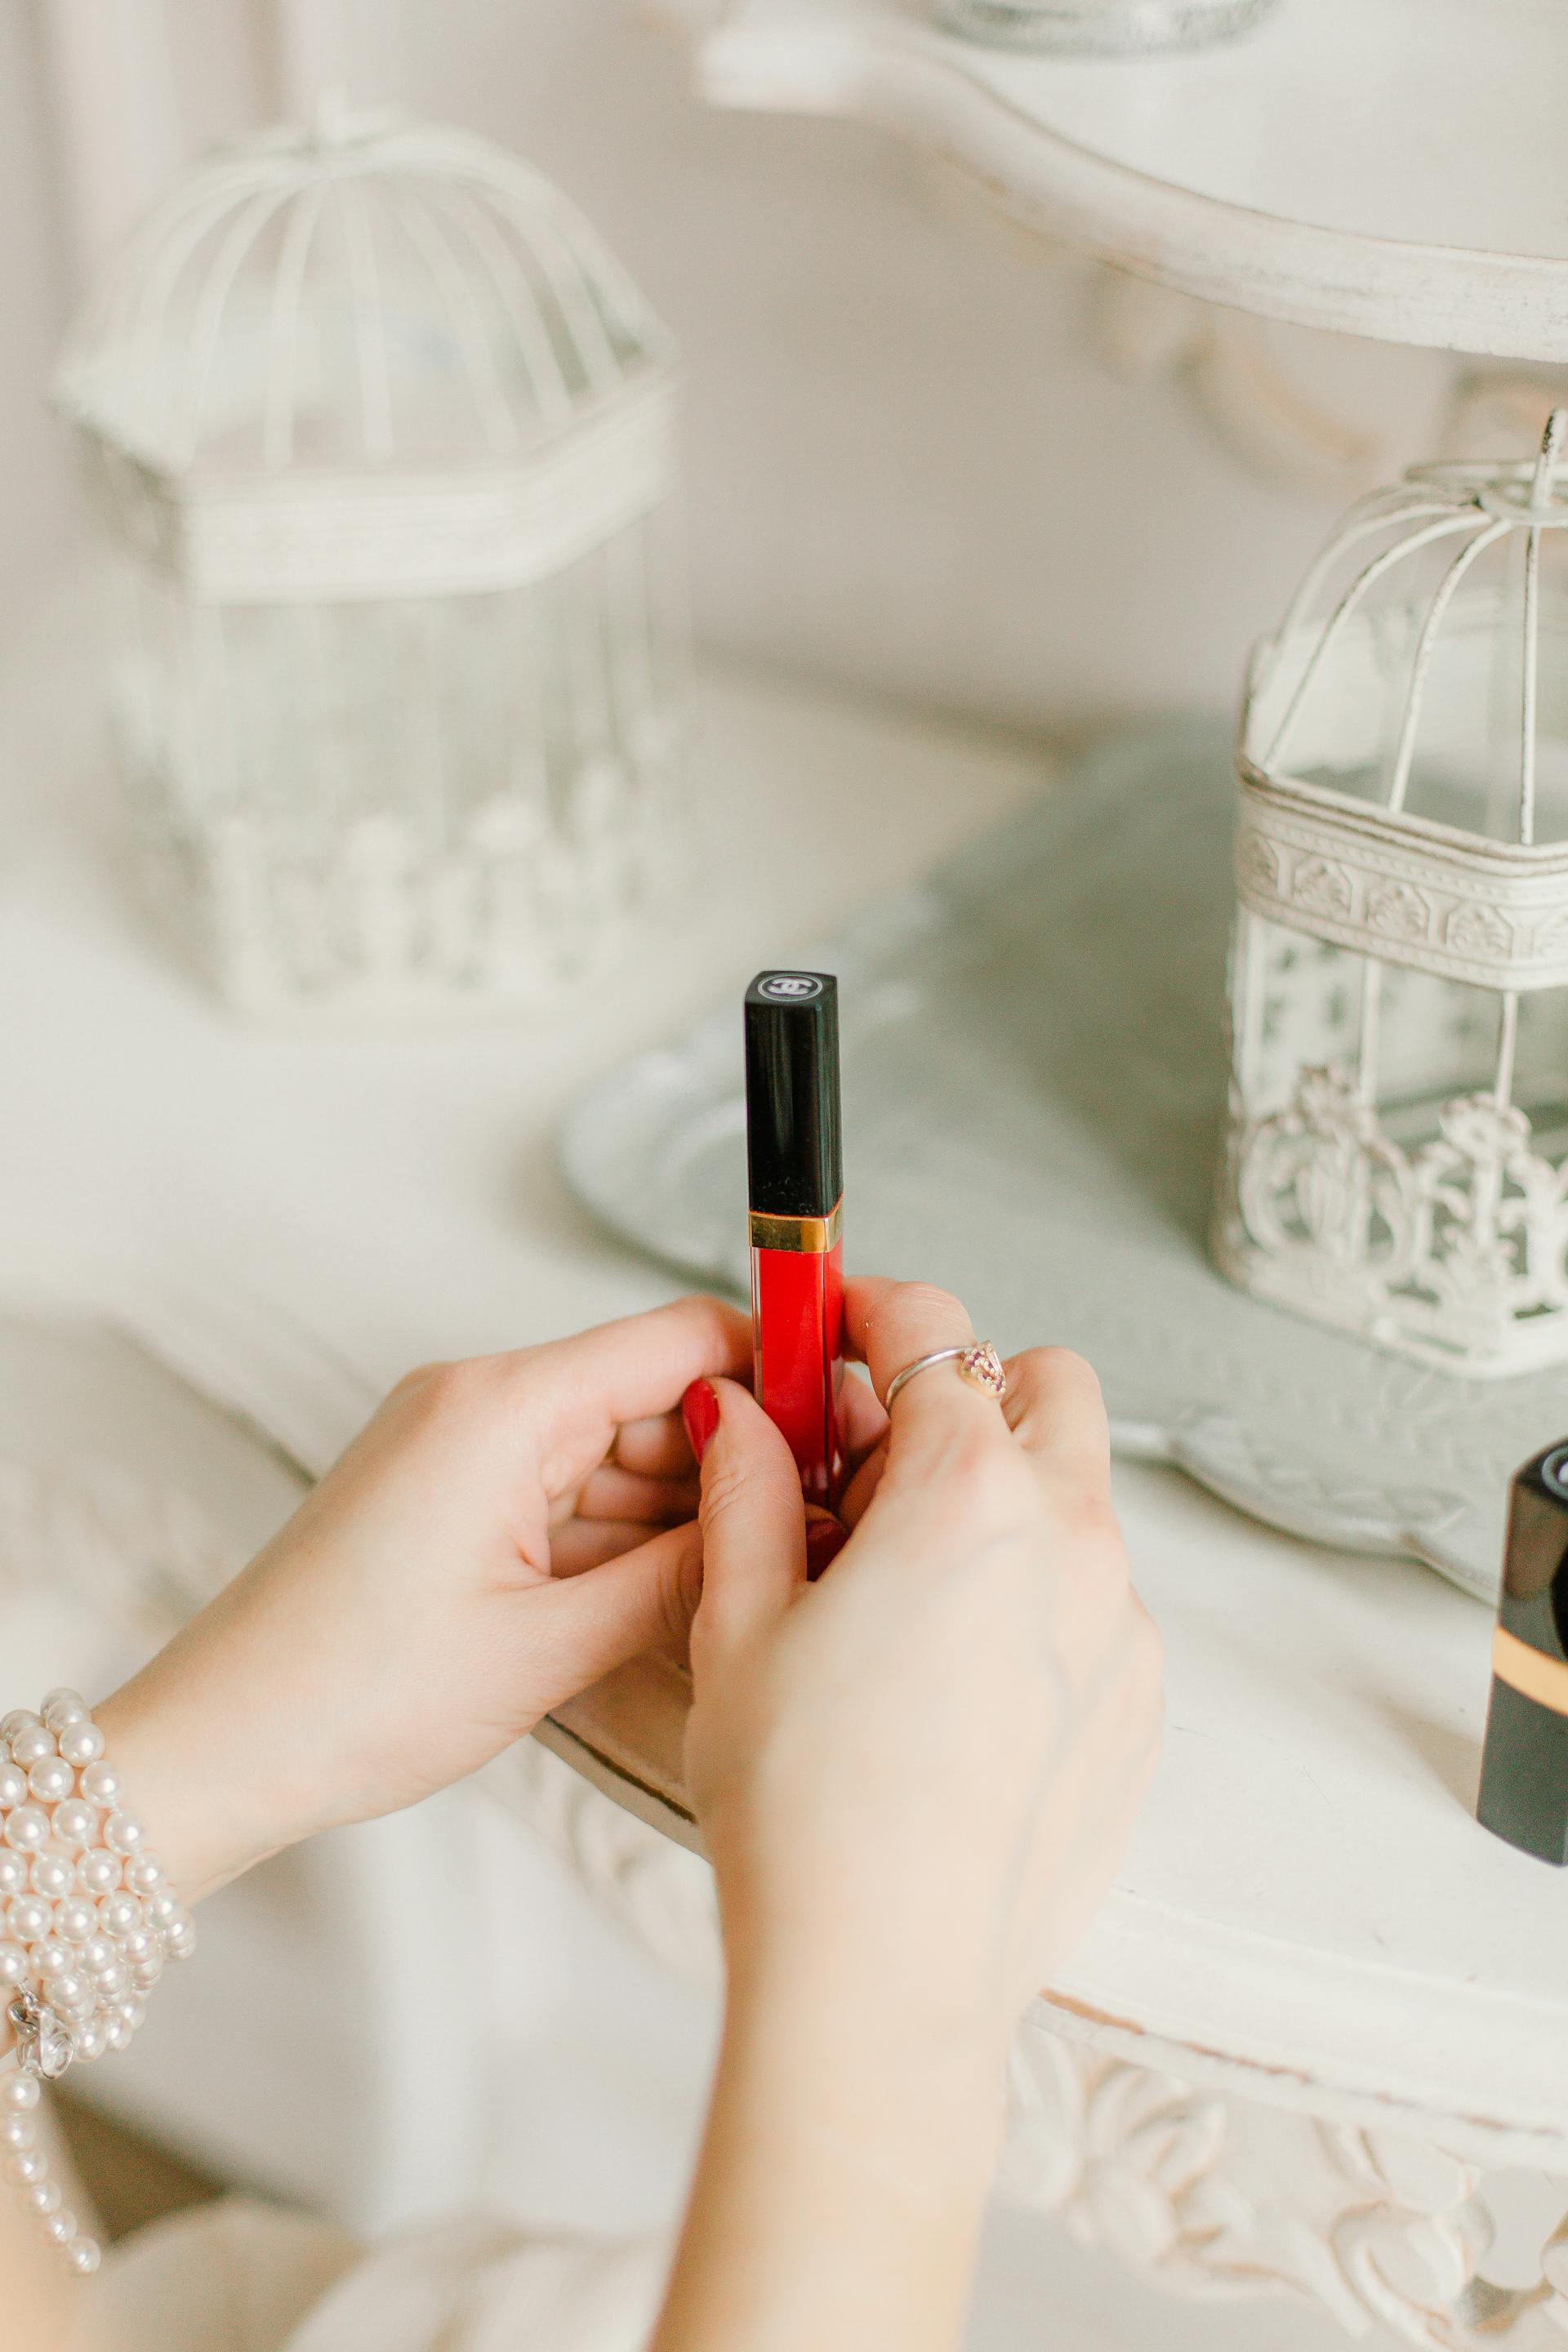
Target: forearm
40 2300
843 2176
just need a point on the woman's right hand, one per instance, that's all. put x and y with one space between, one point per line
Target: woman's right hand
916 1776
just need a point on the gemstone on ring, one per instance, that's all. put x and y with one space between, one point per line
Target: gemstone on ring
982 1368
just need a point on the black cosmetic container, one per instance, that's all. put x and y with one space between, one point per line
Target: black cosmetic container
1524 1766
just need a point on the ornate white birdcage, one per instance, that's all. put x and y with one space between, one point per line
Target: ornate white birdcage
1397 1157
384 440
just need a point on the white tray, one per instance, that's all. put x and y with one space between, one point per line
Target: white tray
1035 1075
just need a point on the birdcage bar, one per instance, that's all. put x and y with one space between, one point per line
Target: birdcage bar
1365 580
1341 1197
384 433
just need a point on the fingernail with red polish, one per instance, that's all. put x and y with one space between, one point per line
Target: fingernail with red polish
825 1540
700 1412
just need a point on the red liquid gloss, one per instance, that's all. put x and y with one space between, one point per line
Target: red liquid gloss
797 1317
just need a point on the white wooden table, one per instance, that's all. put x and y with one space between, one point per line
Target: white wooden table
1321 2007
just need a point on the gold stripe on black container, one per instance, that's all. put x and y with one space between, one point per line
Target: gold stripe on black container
1529 1672
814 1234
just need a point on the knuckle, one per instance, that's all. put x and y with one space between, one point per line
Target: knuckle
724 1488
1142 1654
1084 1515
928 1302
467 1386
985 1481
1063 1373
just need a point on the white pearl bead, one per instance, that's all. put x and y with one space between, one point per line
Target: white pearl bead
16 1873
99 1873
118 2033
134 2012
139 1945
62 1707
27 1829
77 1919
122 1833
53 1959
69 1991
16 2131
30 1919
147 1972
180 1936
31 1745
84 2256
92 2041
19 2091
28 2164
53 1874
61 2228
52 1781
13 1785
80 1743
162 1906
44 2198
113 1982
100 1783
75 1824
100 1952
144 1873
119 1915
21 1719
13 1965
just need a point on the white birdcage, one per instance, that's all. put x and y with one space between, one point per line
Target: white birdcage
384 438
1398 1143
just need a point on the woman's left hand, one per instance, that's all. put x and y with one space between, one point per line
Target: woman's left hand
502 1533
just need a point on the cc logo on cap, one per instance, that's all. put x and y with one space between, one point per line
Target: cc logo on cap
792 985
1555 1472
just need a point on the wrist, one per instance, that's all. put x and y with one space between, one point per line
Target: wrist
893 1981
884 2046
181 1779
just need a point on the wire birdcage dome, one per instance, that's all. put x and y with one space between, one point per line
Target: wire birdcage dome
383 436
1398 1143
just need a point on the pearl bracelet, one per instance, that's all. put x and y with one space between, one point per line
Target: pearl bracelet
87 1921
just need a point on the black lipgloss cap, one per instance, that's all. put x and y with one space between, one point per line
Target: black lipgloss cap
1524 1764
795 1155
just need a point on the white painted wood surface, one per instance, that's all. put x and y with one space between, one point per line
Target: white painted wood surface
1389 168
1309 1927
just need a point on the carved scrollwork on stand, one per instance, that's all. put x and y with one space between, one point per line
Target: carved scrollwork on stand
1209 2194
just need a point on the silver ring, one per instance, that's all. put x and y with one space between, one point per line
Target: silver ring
978 1364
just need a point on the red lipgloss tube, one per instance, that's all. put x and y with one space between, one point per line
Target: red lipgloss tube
795 1196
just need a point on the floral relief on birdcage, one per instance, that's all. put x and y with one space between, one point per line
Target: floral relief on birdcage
1458 1242
383 440
1396 1159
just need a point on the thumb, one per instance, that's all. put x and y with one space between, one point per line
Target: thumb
581 1627
753 1520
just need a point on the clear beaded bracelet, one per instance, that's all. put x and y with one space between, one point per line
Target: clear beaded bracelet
87 1921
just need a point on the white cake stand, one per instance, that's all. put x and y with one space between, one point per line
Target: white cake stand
1392 168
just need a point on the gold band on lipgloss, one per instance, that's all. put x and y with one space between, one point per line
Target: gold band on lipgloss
1529 1672
814 1234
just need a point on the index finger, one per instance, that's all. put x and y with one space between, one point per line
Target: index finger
892 1325
642 1364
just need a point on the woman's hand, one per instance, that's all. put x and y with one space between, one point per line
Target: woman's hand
917 1775
915 1778
502 1533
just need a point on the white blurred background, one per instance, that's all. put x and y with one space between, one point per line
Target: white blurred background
912 469
910 466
